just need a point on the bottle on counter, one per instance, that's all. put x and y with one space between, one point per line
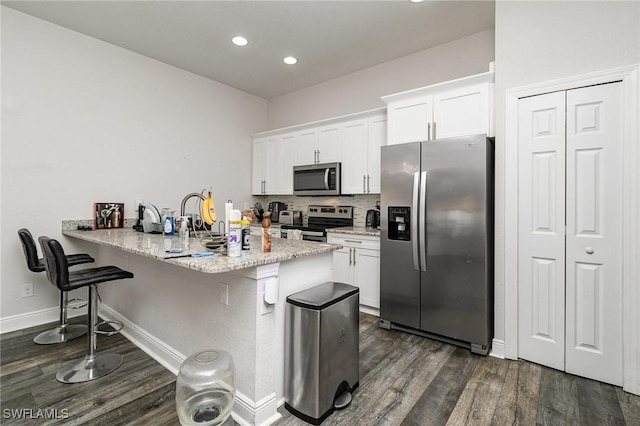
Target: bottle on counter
184 232
234 243
246 232
266 232
168 223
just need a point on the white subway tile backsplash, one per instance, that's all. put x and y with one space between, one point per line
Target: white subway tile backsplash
360 204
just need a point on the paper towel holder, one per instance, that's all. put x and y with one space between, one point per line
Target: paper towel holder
271 290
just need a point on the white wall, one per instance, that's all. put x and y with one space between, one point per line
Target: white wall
362 90
544 40
85 121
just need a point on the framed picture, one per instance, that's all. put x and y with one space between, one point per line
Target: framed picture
108 215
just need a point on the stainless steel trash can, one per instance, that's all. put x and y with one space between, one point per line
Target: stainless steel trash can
321 350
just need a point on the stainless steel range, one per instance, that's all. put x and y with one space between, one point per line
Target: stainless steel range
321 218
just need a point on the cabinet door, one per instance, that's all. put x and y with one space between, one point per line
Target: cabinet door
377 138
306 147
272 165
329 146
409 120
285 170
461 112
366 270
354 157
259 166
342 266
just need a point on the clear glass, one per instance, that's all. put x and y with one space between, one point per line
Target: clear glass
205 388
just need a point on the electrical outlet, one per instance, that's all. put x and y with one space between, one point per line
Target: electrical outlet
27 290
224 294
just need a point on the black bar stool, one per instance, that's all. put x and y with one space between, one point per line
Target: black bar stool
64 331
93 365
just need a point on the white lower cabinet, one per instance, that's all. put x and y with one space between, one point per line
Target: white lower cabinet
358 264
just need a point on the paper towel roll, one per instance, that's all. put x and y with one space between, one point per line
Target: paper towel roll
228 206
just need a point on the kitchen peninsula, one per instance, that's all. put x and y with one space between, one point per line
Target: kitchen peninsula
175 307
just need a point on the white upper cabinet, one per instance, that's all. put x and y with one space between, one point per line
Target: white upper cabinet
306 147
273 165
353 140
318 145
259 166
329 146
456 108
361 142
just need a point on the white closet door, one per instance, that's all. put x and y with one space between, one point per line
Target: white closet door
541 205
594 233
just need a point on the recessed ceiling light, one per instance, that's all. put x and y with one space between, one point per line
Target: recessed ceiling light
239 41
416 1
290 60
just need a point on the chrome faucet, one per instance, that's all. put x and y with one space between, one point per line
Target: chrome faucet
187 198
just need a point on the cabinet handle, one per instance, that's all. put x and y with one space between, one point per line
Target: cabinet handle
364 184
429 131
318 160
350 250
354 257
368 185
434 130
353 241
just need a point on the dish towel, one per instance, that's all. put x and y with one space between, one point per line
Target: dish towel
294 234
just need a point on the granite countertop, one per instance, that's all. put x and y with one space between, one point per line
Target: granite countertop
355 230
259 225
153 246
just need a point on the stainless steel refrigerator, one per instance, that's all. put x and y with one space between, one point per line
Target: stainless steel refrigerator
436 240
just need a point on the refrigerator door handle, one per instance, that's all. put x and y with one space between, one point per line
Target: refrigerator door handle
413 221
423 221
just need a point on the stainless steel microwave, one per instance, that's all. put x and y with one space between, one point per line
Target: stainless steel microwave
317 179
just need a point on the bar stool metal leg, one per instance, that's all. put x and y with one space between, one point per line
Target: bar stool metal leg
64 332
93 365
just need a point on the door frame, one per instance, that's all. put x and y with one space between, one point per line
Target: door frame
631 211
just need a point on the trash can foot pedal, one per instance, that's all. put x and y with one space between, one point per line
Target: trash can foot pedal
342 401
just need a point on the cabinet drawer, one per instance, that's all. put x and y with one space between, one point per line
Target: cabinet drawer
356 241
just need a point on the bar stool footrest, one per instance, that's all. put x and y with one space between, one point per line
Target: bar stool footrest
76 303
117 327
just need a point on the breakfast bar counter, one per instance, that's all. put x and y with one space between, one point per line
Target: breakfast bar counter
155 246
173 308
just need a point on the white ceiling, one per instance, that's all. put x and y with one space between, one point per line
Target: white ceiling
329 38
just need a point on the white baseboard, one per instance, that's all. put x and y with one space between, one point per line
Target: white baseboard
262 413
151 345
497 348
371 311
32 319
245 411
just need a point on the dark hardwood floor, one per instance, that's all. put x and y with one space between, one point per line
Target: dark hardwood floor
404 380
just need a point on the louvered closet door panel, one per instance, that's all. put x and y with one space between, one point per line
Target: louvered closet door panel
541 205
594 233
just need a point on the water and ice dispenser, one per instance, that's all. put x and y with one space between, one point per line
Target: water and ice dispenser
399 223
